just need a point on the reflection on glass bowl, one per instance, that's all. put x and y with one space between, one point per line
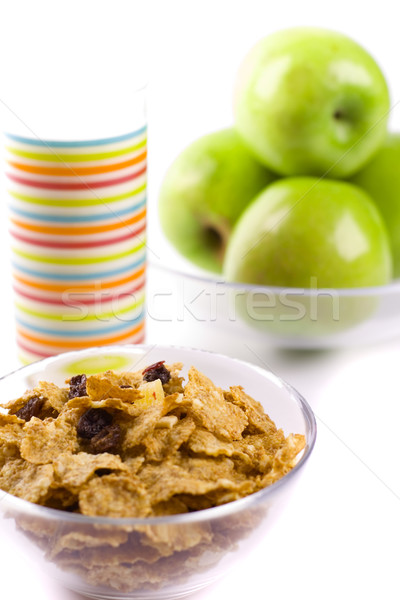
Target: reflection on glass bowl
282 316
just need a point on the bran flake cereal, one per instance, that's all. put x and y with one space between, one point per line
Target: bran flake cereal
138 445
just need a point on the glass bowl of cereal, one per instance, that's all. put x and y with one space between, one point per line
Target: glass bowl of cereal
146 471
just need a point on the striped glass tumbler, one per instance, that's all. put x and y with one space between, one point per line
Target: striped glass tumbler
78 224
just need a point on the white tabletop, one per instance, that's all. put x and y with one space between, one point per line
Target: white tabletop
339 536
341 525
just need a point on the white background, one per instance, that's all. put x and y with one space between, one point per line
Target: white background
339 536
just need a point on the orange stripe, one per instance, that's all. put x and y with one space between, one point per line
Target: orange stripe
61 343
77 171
79 230
79 288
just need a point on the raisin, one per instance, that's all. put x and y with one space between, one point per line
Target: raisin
92 422
107 440
71 508
31 409
124 387
77 386
157 371
102 472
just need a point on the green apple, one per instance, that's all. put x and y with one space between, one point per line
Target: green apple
316 236
381 179
205 191
310 101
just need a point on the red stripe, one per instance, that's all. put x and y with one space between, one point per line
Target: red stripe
74 245
27 349
88 301
75 186
23 346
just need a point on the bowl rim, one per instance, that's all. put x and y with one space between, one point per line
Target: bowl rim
204 277
216 512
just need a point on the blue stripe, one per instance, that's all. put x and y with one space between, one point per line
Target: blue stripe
82 333
79 276
77 219
76 144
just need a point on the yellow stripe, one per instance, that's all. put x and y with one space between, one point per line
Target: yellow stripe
77 261
69 318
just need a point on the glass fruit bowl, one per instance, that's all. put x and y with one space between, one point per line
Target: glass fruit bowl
106 557
284 317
